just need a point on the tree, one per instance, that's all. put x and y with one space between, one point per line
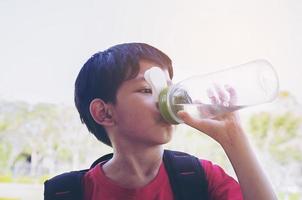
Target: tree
277 134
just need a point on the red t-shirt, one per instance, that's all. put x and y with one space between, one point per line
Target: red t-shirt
97 186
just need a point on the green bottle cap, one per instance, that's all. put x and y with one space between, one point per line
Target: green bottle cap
170 105
165 108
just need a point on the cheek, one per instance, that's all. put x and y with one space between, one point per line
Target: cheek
134 122
136 112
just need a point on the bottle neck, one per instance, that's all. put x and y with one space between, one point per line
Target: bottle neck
165 106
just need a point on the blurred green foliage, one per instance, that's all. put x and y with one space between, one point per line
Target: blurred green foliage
39 141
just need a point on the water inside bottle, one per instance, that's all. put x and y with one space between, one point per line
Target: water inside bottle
205 110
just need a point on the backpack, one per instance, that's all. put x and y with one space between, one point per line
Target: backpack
185 172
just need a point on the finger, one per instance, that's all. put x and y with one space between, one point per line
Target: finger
203 125
212 96
223 95
232 93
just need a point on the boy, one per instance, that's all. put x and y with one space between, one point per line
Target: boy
116 104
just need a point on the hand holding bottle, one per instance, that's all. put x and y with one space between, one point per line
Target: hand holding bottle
222 127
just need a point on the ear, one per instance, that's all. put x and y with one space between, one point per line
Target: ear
100 112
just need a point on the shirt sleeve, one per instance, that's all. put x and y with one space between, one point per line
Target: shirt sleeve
221 186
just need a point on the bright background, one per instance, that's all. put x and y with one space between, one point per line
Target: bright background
43 45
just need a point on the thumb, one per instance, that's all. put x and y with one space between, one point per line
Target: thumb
203 125
184 116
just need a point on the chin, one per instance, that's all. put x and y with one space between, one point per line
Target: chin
168 128
167 134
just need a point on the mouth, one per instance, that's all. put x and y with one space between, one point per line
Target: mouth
161 120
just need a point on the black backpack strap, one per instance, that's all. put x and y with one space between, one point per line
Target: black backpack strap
186 175
101 159
68 186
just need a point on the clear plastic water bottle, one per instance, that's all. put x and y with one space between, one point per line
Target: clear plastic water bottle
213 94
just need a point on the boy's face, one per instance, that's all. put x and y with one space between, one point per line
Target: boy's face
137 118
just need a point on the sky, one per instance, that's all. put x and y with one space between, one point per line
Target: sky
43 44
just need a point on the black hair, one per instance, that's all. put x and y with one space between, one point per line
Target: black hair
105 71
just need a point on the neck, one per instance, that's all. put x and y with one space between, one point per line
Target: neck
134 167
